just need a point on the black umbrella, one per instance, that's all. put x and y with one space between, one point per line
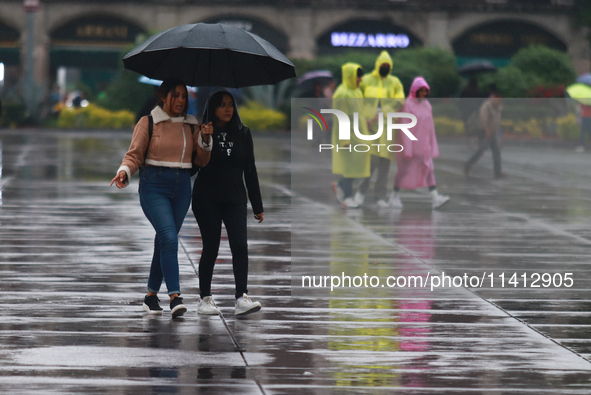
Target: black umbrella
307 83
204 54
316 77
477 67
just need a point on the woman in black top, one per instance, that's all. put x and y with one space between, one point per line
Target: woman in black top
219 195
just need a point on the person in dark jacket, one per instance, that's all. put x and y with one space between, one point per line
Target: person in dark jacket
219 196
164 158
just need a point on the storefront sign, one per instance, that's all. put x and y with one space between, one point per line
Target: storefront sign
97 30
366 34
502 39
360 40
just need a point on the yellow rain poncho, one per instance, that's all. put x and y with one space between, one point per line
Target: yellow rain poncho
380 93
349 99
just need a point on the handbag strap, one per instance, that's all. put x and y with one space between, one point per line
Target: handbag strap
150 131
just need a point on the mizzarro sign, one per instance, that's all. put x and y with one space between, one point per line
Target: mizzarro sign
362 40
344 130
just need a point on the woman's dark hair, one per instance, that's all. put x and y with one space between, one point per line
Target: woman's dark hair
214 102
167 86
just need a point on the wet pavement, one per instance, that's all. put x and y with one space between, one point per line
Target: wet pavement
75 254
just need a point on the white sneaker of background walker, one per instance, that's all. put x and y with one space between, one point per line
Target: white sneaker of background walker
394 201
350 203
246 306
382 204
359 198
439 200
338 191
207 307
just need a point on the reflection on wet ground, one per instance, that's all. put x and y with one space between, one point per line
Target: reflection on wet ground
75 254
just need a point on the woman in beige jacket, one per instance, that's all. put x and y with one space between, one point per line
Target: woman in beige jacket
165 160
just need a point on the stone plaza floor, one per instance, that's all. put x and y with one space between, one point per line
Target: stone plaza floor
75 255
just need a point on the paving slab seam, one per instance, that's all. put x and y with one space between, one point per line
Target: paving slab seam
482 298
237 346
411 253
537 223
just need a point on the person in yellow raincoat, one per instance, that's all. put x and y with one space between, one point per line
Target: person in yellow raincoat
383 92
346 160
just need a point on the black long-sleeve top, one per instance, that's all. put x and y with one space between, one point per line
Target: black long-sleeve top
221 180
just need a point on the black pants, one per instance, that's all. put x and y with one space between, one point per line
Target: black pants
209 218
483 143
382 165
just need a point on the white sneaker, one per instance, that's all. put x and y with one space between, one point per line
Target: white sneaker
359 198
439 200
382 203
338 191
350 203
246 306
580 149
207 307
394 201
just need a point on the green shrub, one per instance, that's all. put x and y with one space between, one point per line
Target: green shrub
126 93
334 63
94 117
407 72
257 117
567 127
122 119
510 81
544 66
436 65
535 71
13 114
531 127
448 127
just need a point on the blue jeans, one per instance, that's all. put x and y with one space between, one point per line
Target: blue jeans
165 195
346 184
585 128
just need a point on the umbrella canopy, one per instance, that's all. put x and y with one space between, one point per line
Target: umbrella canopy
204 54
580 92
585 79
477 67
145 80
317 76
307 83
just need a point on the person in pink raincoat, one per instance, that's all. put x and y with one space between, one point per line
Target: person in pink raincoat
415 162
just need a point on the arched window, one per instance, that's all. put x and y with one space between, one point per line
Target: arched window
502 39
255 26
9 45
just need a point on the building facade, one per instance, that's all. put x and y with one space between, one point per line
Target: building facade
89 36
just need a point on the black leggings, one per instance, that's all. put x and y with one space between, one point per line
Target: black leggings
209 218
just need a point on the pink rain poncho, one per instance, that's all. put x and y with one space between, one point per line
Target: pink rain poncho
415 162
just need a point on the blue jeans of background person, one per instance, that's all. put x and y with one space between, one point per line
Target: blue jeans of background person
585 128
165 195
346 184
